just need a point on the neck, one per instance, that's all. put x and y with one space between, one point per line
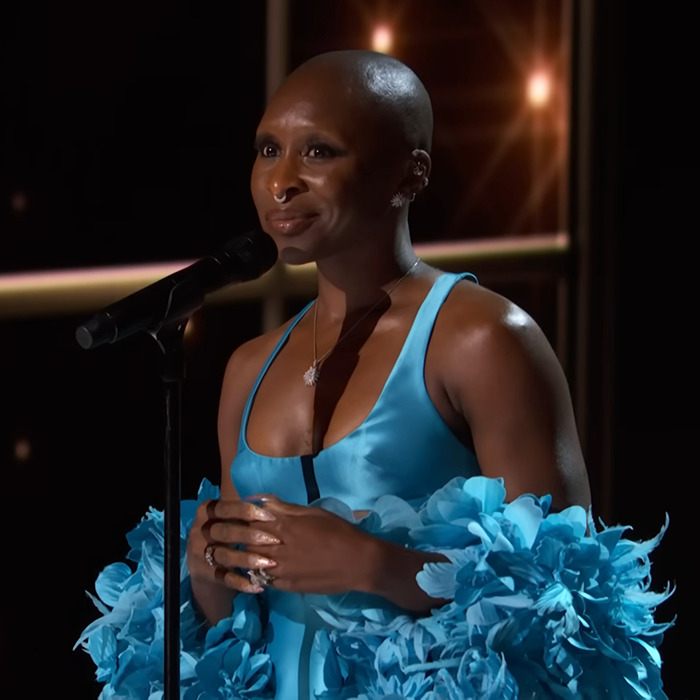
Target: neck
357 280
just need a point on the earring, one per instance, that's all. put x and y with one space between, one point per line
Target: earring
401 198
282 199
419 169
398 200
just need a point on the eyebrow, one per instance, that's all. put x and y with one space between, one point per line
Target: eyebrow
260 139
312 137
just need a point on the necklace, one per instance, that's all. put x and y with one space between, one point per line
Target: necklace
312 374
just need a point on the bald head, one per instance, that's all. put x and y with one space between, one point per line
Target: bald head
389 91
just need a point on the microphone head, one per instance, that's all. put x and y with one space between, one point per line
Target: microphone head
172 298
247 256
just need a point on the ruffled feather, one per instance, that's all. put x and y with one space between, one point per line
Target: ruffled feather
126 643
543 605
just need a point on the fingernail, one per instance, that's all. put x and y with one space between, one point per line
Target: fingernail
262 563
266 538
262 514
255 500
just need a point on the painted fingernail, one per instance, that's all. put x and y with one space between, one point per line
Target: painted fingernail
255 500
262 514
266 538
262 563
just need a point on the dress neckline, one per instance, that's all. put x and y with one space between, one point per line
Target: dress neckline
243 440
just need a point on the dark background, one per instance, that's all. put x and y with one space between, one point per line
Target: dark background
656 358
129 129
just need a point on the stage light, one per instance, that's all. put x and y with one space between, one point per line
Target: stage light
23 450
539 89
382 38
19 201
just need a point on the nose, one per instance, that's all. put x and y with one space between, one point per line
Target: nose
284 181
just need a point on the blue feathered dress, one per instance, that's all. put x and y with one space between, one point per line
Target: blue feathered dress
544 605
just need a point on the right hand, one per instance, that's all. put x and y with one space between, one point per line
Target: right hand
228 526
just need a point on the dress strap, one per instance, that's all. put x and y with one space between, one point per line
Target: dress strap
273 355
406 381
416 344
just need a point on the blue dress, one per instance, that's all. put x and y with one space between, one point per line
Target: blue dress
542 604
388 453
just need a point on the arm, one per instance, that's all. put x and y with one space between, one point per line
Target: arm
498 383
513 395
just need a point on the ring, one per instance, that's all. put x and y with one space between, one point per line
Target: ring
260 577
209 555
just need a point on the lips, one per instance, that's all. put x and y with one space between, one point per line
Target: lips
289 221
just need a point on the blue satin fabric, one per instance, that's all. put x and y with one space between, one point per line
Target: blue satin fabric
402 448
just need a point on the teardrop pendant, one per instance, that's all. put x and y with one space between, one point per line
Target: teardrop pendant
312 374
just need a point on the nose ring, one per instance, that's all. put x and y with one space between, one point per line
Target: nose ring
282 199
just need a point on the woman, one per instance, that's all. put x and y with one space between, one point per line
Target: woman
399 381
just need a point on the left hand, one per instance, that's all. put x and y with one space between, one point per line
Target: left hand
320 552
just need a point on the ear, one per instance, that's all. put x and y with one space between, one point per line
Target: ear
418 172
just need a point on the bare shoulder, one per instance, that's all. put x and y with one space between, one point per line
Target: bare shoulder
500 373
247 360
488 325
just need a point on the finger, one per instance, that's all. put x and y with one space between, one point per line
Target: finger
261 498
211 508
240 510
275 506
221 555
206 531
228 532
239 577
236 581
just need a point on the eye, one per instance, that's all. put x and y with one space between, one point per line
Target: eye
269 150
320 151
266 148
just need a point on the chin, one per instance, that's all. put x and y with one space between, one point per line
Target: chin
291 255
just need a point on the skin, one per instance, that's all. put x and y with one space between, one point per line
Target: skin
340 138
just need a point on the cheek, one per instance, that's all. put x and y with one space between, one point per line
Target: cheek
372 196
379 183
334 193
350 190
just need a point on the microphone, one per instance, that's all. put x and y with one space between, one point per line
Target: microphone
244 257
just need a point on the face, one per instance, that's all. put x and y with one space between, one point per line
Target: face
337 169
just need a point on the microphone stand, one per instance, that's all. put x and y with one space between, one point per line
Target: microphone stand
180 294
169 335
184 299
170 341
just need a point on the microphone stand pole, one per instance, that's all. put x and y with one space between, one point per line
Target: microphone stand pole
183 299
182 295
170 341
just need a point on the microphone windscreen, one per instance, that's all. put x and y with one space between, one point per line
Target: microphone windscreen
247 256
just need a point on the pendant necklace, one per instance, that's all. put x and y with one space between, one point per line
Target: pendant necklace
312 374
